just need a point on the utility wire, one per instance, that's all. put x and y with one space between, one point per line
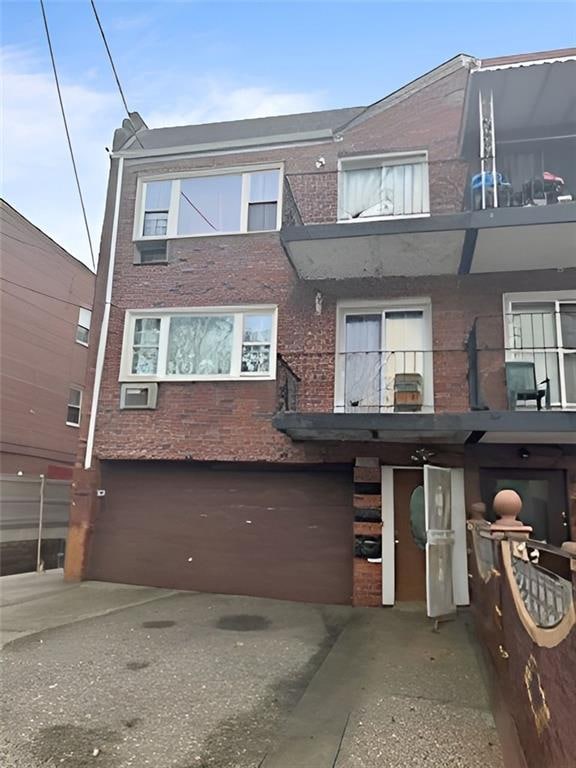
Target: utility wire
109 52
48 295
68 134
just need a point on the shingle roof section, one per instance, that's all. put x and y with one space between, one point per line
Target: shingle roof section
238 130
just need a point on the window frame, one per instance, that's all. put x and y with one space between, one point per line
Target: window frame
172 223
556 297
73 405
84 327
165 313
380 160
371 306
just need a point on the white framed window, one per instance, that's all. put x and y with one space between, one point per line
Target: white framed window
540 328
200 344
384 360
83 327
384 186
209 203
74 407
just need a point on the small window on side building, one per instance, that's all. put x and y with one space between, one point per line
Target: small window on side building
83 327
74 406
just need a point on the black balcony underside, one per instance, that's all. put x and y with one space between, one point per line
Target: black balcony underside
494 240
551 427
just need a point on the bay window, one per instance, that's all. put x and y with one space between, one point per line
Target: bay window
199 344
223 203
541 329
384 186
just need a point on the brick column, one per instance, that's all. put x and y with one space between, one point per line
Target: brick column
367 577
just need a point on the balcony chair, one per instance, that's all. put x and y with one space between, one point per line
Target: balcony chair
521 385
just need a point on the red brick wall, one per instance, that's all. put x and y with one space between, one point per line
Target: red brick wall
429 119
232 420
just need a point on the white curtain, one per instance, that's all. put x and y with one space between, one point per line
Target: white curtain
404 189
404 342
393 190
362 367
363 194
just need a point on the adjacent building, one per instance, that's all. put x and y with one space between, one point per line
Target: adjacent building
322 337
45 309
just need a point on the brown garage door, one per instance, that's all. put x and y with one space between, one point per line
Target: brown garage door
282 534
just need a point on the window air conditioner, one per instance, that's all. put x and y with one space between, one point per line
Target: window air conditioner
138 396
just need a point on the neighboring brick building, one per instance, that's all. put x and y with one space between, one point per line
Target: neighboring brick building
300 312
45 319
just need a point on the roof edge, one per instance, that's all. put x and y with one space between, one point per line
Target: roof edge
454 64
41 231
526 59
232 144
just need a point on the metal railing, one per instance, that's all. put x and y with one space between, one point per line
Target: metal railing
537 360
287 386
380 381
454 185
547 596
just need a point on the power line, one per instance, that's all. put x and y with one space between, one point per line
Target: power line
109 52
46 295
68 134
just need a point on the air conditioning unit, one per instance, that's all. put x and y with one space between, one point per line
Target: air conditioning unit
138 396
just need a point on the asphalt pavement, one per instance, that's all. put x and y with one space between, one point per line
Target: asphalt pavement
186 679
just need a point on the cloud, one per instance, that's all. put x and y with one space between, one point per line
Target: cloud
213 102
36 169
37 172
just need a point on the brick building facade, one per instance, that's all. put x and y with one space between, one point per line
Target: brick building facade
287 491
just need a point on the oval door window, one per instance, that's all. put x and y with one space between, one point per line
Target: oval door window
418 517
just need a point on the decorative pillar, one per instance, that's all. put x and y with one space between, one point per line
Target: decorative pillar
507 505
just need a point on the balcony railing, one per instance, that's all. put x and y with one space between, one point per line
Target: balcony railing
483 375
522 180
398 381
535 369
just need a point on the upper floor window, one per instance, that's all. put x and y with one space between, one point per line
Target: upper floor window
74 407
83 327
200 344
384 186
541 329
384 359
246 201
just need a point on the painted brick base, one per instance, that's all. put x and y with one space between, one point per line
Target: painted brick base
367 577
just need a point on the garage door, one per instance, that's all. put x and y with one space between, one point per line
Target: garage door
281 534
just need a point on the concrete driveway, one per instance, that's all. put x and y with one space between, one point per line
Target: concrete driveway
214 681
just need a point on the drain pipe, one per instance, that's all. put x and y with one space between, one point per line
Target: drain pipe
105 323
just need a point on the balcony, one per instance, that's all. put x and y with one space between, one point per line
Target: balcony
453 238
488 391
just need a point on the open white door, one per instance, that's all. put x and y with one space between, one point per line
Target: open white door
439 542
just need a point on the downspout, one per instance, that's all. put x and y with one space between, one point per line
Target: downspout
105 323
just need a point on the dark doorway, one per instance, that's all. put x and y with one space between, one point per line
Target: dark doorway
543 494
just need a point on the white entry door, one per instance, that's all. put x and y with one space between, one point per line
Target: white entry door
439 541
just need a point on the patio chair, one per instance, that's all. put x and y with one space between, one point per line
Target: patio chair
521 385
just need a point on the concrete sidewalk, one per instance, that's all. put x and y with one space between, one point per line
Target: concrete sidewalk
393 693
33 602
